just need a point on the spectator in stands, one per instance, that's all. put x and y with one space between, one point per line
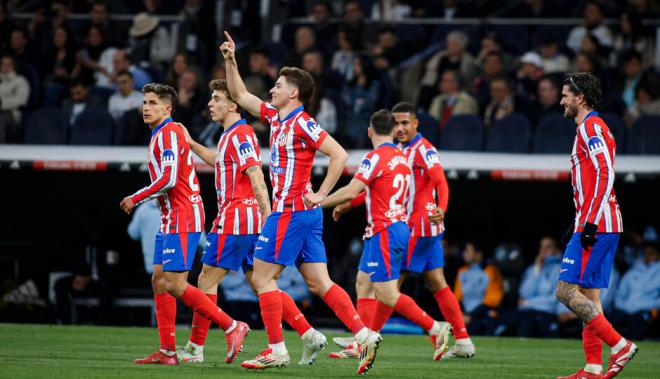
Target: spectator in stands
358 34
262 74
452 100
14 94
121 60
89 57
591 45
342 60
547 101
21 49
304 40
538 303
586 62
150 44
646 9
479 288
638 297
552 59
100 16
501 100
179 63
490 43
327 83
391 10
592 24
324 77
492 67
361 96
144 225
388 52
126 97
218 71
192 100
647 99
61 58
632 36
80 99
194 36
325 29
630 76
528 75
455 56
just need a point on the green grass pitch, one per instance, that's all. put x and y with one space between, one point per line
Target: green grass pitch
37 351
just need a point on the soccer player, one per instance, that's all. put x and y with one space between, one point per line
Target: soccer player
243 206
176 189
587 262
292 233
384 175
425 220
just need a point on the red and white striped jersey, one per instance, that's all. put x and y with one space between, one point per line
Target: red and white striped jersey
293 144
174 182
592 175
386 173
427 181
238 210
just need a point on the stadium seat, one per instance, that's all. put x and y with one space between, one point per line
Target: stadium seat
464 133
554 135
47 126
92 127
510 134
429 127
644 136
617 127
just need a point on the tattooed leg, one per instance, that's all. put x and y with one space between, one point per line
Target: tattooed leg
571 296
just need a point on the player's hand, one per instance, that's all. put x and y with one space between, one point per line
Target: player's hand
127 205
313 199
340 210
588 236
186 135
228 47
437 216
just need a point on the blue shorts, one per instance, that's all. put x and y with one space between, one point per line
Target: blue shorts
383 252
289 238
424 254
229 251
176 251
589 268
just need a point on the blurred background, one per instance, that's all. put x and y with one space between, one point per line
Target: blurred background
485 77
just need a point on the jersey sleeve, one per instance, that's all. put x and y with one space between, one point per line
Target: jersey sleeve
169 168
358 200
267 111
311 132
367 171
596 147
428 160
246 150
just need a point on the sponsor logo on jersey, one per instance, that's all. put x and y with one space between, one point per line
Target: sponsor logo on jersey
431 157
596 145
312 129
568 261
195 198
394 213
245 150
250 201
430 206
365 166
168 157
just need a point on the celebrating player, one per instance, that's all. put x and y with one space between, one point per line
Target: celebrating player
292 233
384 175
243 206
588 259
425 219
176 189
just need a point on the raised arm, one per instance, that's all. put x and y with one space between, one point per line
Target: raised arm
235 84
260 190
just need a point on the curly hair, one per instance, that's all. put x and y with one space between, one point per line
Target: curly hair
586 84
221 85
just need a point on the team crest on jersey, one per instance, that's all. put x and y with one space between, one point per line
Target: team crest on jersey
168 157
312 129
431 157
596 145
245 150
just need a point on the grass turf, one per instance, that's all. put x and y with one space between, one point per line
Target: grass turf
31 351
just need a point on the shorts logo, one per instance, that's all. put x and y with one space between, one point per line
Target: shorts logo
169 251
168 158
568 261
372 264
245 150
431 157
263 239
563 270
596 145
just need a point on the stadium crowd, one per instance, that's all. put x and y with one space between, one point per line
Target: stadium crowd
477 86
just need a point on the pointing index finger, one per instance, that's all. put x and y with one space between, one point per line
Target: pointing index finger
228 37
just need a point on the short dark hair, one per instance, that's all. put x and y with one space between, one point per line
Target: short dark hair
403 107
221 85
588 85
125 73
301 79
382 122
163 91
630 54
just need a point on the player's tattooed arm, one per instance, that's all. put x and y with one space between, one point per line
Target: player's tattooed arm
570 295
260 190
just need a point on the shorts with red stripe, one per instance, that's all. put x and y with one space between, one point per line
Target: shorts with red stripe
424 254
176 251
589 268
383 252
289 238
229 251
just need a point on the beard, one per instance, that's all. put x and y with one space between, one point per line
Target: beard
570 111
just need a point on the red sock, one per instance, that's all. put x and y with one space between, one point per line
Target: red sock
366 308
271 313
604 330
166 319
410 310
195 299
451 311
381 315
292 315
340 303
201 324
593 347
